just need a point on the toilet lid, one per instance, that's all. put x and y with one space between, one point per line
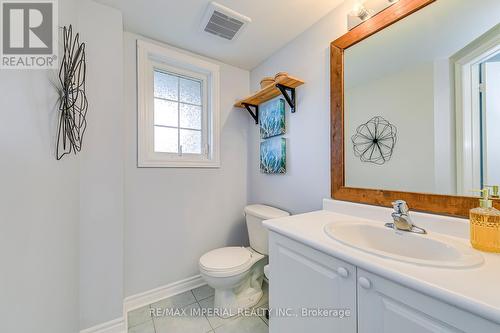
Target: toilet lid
227 258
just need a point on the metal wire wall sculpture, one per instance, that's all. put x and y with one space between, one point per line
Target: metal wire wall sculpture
73 104
375 140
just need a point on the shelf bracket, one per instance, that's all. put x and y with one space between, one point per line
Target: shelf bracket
289 94
254 113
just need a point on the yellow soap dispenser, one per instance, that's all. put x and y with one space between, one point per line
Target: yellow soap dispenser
485 225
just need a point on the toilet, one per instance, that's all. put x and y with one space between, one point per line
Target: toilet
236 273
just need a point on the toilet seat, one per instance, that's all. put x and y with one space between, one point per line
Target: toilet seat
227 261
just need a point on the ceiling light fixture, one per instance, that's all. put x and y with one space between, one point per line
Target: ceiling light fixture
362 12
366 9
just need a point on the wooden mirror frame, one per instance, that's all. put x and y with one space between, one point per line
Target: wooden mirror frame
432 203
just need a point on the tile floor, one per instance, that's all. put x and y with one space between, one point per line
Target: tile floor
141 320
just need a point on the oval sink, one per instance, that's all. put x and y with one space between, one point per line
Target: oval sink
426 250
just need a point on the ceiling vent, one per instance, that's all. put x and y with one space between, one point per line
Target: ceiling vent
223 22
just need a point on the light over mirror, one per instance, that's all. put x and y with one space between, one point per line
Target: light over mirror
422 102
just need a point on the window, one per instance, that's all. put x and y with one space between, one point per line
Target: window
178 114
178 109
473 111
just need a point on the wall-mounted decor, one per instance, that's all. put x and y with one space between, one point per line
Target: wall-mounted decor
284 85
73 104
273 156
272 118
374 141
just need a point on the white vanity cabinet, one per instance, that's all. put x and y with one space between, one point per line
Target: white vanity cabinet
388 307
302 277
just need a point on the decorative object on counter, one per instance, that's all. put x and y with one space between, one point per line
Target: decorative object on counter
272 118
375 140
285 85
273 156
73 104
268 80
485 225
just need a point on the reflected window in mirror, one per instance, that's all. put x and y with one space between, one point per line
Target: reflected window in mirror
477 103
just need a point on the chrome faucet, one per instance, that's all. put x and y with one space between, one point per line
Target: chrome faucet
402 219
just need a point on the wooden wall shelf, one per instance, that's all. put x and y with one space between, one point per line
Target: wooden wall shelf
283 86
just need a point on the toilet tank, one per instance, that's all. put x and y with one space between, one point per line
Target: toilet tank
257 233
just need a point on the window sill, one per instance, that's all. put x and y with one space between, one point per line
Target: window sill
178 164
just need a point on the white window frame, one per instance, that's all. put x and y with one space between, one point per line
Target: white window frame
466 64
151 57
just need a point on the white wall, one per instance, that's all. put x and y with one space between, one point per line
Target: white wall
39 206
307 180
173 216
445 165
101 167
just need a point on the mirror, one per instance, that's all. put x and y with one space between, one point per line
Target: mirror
422 102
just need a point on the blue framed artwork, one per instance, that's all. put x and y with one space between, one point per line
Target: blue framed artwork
272 118
273 156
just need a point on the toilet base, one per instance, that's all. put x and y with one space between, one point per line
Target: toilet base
232 305
244 292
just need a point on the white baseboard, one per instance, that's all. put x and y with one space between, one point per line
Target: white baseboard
157 294
133 302
113 326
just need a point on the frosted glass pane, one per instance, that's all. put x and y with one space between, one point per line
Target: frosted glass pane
166 113
191 142
190 91
166 140
190 116
166 86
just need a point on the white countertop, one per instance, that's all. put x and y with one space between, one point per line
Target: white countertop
476 290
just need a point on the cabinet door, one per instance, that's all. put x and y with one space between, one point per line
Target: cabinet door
303 280
388 307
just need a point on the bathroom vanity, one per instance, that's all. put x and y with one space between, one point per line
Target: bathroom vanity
321 284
